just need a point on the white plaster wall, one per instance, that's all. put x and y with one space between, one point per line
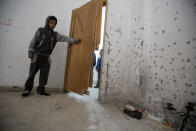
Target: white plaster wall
157 37
26 16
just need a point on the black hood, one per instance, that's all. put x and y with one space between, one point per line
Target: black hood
48 19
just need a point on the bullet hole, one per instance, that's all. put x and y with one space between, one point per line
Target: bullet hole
182 60
176 13
149 67
155 56
156 73
183 68
173 59
167 4
162 49
188 42
188 85
179 30
168 46
155 33
174 43
142 42
195 4
168 83
188 60
163 31
172 69
150 52
185 91
174 81
161 82
179 53
161 67
193 93
170 62
195 67
176 18
150 77
194 39
174 76
175 96
184 76
157 85
142 28
154 62
155 77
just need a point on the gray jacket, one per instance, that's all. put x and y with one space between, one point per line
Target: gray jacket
45 39
43 44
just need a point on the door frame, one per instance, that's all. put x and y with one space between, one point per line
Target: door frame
105 3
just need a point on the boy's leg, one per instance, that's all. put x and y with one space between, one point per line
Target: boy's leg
44 72
34 67
97 86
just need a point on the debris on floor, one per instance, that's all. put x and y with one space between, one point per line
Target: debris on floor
135 114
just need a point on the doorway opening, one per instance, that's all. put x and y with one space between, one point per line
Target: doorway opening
88 24
96 85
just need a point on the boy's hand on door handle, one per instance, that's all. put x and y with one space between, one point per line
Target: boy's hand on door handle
79 40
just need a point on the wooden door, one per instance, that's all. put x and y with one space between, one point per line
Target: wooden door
79 58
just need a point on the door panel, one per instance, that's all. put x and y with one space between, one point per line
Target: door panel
79 61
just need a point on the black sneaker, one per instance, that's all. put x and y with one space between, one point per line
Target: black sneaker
25 93
44 93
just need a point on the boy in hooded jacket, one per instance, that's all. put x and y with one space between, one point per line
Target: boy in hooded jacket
40 49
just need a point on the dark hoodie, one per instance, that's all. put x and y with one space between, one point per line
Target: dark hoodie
45 39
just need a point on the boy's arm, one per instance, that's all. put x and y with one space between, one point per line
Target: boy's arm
62 38
33 43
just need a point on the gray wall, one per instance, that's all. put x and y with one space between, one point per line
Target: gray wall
150 53
25 17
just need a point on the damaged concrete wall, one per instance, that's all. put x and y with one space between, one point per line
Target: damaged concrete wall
19 20
150 53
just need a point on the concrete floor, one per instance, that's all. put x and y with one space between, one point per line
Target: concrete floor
65 112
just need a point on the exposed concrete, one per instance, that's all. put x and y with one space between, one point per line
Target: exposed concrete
65 112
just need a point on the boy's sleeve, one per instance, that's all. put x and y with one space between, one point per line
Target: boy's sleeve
33 42
62 38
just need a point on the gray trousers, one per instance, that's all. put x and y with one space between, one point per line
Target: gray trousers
41 63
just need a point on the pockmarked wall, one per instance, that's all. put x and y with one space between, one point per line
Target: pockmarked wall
150 53
19 19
